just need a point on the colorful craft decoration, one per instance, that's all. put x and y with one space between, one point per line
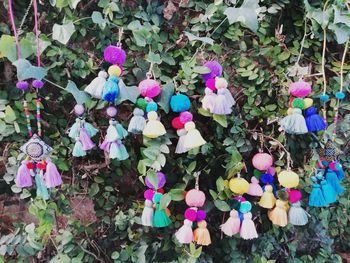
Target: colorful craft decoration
221 102
185 235
37 163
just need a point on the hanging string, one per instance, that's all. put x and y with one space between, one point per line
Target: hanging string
324 110
12 19
37 30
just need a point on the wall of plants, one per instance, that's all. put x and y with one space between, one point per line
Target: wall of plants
96 214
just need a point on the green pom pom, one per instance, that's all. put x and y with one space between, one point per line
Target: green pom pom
283 195
257 174
141 103
298 103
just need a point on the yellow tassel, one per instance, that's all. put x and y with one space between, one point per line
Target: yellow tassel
267 200
239 185
193 138
278 215
288 179
201 234
153 128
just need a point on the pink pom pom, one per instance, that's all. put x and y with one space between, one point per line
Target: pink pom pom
262 161
149 88
210 83
177 124
185 117
195 198
294 196
332 166
271 170
111 111
114 55
299 89
148 194
190 214
240 199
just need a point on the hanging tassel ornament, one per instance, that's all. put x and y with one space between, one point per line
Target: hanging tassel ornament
248 229
224 100
95 88
294 123
278 215
314 121
232 225
160 218
180 147
316 197
137 122
268 199
112 143
297 215
154 128
209 99
24 177
193 138
254 187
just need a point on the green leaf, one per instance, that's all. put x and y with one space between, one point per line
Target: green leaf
94 189
8 47
220 184
221 119
141 167
62 33
153 58
97 18
342 33
80 96
164 201
165 96
152 178
10 115
177 194
283 56
247 14
204 112
201 70
222 205
25 70
192 37
317 14
129 93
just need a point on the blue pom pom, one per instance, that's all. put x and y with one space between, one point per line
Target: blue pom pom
324 98
180 103
151 106
325 163
245 207
340 95
314 179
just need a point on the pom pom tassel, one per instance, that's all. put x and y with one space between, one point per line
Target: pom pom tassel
297 216
85 140
254 187
180 147
147 214
201 234
232 225
294 123
160 218
137 122
111 89
209 99
316 197
314 121
78 150
193 138
248 230
222 105
267 200
154 128
52 176
185 234
95 88
23 177
278 215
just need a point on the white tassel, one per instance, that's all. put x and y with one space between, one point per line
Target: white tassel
185 234
180 147
112 132
297 215
95 88
137 122
147 214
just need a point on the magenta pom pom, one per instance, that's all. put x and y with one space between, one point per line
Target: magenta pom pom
299 89
195 198
161 181
240 199
112 111
148 194
190 214
201 215
37 83
215 70
262 161
177 124
271 170
22 85
210 83
294 196
79 109
185 117
114 55
149 88
332 166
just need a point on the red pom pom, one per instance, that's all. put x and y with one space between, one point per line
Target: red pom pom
161 190
30 165
290 103
176 123
41 165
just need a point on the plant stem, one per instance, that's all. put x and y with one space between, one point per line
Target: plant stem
324 61
53 83
342 66
302 42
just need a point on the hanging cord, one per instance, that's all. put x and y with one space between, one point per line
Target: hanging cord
24 18
12 19
324 110
120 34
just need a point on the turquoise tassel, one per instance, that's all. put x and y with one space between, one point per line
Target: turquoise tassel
78 150
332 180
91 130
118 151
340 171
121 131
111 89
316 197
74 130
41 189
328 192
160 218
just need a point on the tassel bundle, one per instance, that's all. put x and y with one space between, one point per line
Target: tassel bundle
278 215
154 128
297 216
254 187
248 230
193 138
180 147
201 234
333 181
147 213
267 199
137 122
314 121
23 177
112 143
160 218
294 123
316 197
232 225
95 88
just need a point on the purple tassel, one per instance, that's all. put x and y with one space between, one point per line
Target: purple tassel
52 176
23 178
222 105
105 146
85 140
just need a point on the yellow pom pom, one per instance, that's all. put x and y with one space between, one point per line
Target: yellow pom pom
308 103
114 70
288 179
239 185
220 83
267 200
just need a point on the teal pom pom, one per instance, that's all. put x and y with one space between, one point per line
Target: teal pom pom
340 95
157 197
324 98
78 150
180 103
245 207
151 106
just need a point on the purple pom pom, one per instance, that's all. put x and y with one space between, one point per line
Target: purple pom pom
161 181
22 85
114 55
201 215
215 70
37 83
111 111
148 194
79 109
185 117
190 214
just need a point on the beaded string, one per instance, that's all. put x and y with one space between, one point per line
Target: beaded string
26 112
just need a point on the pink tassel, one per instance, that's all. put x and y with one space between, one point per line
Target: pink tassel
85 140
105 145
23 178
232 225
52 176
248 230
185 234
208 100
254 187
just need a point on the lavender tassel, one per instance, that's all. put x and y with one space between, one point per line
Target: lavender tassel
23 178
86 140
52 176
222 106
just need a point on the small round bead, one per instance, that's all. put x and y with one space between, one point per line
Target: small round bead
22 85
151 106
340 95
37 83
324 98
111 111
79 109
